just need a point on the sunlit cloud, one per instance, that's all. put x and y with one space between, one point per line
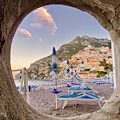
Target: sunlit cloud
41 40
24 33
44 19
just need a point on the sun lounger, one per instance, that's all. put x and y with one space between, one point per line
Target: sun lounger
102 83
77 77
112 85
81 96
80 89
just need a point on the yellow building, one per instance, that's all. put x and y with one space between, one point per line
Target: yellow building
93 62
101 68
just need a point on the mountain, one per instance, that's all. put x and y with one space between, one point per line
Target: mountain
43 66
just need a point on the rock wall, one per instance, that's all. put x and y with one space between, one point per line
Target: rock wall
12 12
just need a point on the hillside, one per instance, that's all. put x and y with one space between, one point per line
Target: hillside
43 66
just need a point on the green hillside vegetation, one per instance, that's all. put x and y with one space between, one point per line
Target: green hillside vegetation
101 73
70 50
107 67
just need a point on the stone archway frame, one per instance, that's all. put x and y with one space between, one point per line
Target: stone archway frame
12 12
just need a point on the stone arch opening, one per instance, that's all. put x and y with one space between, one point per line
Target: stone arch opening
11 14
43 49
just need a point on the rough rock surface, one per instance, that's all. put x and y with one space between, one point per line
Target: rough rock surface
12 12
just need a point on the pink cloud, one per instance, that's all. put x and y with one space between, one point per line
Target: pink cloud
41 40
44 19
24 33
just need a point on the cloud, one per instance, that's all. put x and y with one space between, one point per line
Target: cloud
24 33
41 40
44 19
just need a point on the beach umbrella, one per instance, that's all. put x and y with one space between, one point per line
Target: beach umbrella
71 70
54 66
68 85
54 74
67 66
20 76
75 72
54 61
35 78
67 73
50 78
108 78
55 91
67 69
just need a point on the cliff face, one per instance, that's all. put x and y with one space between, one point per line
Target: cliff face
43 66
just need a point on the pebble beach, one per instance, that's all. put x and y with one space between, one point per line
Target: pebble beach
43 100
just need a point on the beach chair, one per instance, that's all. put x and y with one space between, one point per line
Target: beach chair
80 84
112 85
33 87
102 82
82 87
82 96
44 86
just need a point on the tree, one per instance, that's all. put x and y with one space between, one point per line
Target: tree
101 73
109 56
107 66
94 71
87 69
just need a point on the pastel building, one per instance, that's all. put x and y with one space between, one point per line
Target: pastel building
93 62
101 68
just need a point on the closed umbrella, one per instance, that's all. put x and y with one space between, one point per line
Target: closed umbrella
67 73
71 70
67 69
54 74
20 76
55 91
35 78
54 66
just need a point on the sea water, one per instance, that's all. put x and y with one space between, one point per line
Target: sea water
37 83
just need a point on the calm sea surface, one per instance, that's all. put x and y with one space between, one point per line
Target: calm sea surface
32 82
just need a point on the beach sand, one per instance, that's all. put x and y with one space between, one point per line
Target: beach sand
44 101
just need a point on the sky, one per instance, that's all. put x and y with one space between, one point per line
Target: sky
48 27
